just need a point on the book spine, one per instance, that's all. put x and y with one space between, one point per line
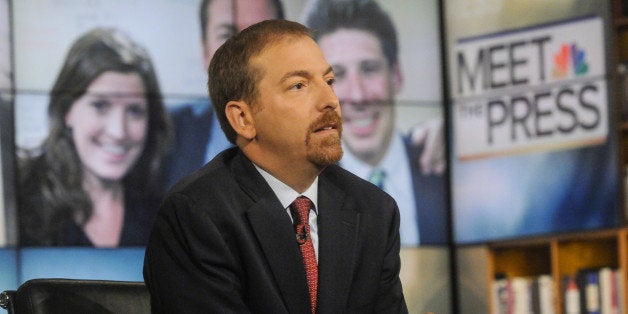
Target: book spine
546 294
571 295
592 292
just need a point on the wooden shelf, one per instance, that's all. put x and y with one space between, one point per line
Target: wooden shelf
559 256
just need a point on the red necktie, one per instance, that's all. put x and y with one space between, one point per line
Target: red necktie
300 210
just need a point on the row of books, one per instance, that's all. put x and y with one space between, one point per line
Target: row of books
593 291
523 295
589 291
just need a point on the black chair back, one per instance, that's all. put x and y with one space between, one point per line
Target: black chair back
78 296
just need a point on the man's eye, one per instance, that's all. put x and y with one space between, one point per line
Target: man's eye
370 67
225 36
297 86
331 81
225 32
339 72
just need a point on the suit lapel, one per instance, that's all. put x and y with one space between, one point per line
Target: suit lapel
273 230
338 225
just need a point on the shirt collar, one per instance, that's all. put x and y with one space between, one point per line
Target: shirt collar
394 159
286 194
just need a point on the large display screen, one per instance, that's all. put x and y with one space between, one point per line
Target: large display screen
67 56
533 146
8 259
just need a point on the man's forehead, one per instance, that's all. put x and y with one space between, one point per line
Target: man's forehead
245 12
220 11
275 56
249 12
351 45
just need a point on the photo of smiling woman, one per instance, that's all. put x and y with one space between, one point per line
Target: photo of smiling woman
93 181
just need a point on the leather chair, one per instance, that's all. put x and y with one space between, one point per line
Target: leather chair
77 296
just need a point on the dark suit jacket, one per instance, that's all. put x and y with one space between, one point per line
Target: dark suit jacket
222 242
430 196
191 134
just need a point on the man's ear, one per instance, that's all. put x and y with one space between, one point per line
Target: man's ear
241 119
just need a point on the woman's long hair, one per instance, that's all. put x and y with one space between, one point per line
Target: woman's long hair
60 185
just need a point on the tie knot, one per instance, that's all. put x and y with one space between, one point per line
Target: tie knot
377 177
300 209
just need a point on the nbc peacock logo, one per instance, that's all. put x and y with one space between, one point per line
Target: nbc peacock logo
569 58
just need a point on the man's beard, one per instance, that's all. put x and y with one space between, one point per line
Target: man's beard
329 150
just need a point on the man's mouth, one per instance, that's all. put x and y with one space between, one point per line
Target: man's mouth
326 128
362 125
363 122
330 121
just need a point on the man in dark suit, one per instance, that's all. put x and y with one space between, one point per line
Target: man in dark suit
360 42
198 137
234 236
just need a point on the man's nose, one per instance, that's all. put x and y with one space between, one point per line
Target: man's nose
353 88
328 99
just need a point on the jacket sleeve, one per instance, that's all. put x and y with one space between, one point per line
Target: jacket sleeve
188 267
390 297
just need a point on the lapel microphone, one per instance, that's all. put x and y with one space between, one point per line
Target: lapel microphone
301 234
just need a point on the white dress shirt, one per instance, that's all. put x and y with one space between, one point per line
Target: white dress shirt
397 183
287 195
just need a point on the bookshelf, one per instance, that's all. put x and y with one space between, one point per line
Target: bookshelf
558 257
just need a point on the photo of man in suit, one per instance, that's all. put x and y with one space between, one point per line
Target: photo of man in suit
198 137
234 244
359 40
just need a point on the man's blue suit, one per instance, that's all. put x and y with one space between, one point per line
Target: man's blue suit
430 197
192 133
